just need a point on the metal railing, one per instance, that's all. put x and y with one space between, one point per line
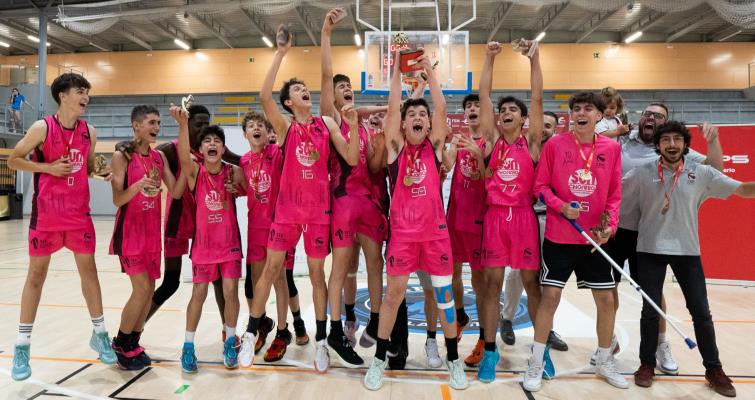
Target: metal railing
17 127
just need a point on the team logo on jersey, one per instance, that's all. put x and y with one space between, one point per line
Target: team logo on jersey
304 154
76 158
419 172
468 165
259 182
508 170
582 183
212 201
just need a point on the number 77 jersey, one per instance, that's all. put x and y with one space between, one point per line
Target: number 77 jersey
512 176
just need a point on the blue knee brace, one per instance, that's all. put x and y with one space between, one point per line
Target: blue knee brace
441 287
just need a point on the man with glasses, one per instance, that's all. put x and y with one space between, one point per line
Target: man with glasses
637 148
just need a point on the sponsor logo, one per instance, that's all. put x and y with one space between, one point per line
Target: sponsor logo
582 187
259 182
76 158
35 243
304 154
601 158
737 159
339 234
528 252
691 177
509 170
468 165
319 241
443 258
212 201
419 172
415 301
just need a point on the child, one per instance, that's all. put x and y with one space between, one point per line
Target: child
611 125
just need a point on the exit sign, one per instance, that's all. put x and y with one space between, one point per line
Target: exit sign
596 55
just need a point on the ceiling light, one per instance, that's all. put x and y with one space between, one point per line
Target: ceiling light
631 38
357 40
267 41
540 36
4 44
180 43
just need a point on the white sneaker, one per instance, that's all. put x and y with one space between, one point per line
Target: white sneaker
322 357
431 354
457 378
614 347
373 379
246 354
533 378
607 369
665 360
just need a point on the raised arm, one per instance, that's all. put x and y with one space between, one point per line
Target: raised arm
169 179
327 98
348 150
715 157
188 167
746 190
377 153
393 138
487 111
535 131
440 127
366 111
273 114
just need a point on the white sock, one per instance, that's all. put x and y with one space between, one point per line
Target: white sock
99 324
603 354
24 334
661 337
538 353
230 331
189 337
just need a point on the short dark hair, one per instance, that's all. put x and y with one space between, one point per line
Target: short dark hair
253 116
512 99
589 98
212 130
551 114
340 78
661 105
414 102
286 92
140 112
67 81
197 109
672 127
470 98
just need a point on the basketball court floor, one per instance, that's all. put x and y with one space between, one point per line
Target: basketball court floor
63 364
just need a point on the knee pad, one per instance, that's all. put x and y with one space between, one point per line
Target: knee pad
442 286
292 292
168 287
248 286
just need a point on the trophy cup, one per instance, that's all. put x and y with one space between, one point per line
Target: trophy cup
101 170
186 102
283 35
154 174
519 45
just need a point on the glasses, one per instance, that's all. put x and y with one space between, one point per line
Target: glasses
655 115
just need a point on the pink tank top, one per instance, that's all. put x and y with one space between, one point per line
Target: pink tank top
513 174
137 223
217 238
263 173
179 217
62 203
466 207
379 187
416 202
345 179
304 197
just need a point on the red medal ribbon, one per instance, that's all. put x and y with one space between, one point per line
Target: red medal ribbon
305 133
587 160
211 182
507 147
411 159
62 131
667 194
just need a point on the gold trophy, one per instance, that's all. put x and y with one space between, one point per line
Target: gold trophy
186 102
599 231
519 45
101 170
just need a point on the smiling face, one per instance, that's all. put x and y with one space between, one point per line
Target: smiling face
212 148
343 94
472 113
672 146
585 116
299 97
651 119
257 134
549 127
510 116
74 100
147 129
416 123
376 121
610 110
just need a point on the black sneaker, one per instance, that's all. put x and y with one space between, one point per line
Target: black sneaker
342 347
507 332
301 332
125 362
556 342
265 327
398 362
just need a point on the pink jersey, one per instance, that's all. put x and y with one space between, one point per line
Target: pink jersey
137 223
416 202
513 174
304 197
345 179
379 187
217 238
563 176
62 203
465 205
179 216
263 173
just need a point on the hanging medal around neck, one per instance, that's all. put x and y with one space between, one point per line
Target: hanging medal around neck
488 172
408 181
666 206
584 174
314 155
475 175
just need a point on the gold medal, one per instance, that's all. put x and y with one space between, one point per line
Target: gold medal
314 155
475 175
488 172
585 174
408 181
666 206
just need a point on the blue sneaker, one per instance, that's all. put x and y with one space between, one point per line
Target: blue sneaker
230 356
486 372
100 342
549 370
188 359
21 368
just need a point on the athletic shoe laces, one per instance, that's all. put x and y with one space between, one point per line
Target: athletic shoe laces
21 357
666 355
534 371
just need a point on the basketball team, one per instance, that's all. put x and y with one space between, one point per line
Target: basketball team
344 186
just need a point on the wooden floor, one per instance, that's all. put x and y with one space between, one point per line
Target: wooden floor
62 362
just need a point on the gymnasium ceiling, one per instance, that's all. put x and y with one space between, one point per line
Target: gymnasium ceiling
127 25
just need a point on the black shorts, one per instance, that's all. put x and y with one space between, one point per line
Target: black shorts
623 247
560 260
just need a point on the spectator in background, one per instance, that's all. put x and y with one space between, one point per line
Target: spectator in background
16 101
611 125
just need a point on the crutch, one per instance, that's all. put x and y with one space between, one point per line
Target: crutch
690 343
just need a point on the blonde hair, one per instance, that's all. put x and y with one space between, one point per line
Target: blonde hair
611 95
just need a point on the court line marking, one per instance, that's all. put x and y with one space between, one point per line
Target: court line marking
51 387
84 306
69 376
114 395
445 392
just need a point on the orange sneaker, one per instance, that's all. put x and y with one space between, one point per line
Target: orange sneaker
277 349
266 326
460 329
476 356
